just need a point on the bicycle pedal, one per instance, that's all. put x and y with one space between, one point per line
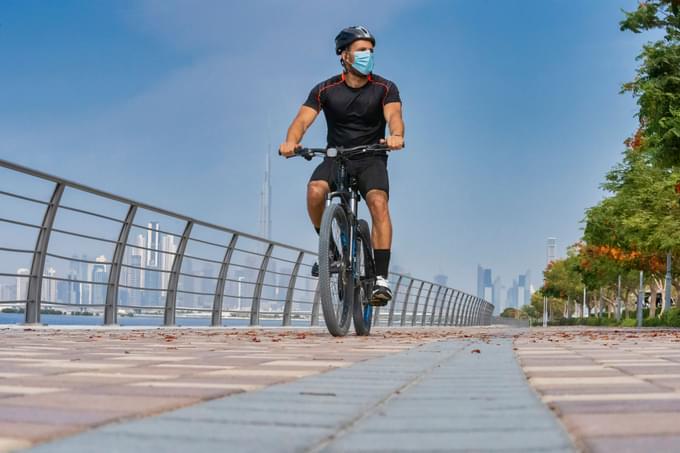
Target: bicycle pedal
378 302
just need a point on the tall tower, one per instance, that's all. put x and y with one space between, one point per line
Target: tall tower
550 250
265 229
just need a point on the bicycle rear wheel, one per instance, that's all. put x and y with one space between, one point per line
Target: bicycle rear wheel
363 311
336 284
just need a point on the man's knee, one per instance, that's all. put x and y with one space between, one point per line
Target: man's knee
317 191
377 202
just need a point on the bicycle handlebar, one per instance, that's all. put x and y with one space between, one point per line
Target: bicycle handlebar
335 151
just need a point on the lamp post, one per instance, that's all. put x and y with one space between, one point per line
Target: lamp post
669 278
641 299
618 299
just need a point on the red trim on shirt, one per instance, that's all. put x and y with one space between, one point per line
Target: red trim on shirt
318 96
384 85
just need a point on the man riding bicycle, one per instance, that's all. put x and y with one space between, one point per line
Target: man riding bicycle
357 105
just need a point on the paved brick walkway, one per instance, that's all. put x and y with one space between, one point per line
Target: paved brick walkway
411 389
454 395
57 382
614 390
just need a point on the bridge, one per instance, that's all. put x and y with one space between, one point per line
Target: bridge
189 335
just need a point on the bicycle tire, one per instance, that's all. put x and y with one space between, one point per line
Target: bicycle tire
363 311
337 308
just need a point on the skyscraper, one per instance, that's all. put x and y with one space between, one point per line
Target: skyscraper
135 273
168 247
266 199
498 304
153 244
550 249
484 281
49 285
22 284
100 274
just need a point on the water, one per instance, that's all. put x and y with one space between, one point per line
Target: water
139 320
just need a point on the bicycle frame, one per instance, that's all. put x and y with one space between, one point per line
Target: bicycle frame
349 200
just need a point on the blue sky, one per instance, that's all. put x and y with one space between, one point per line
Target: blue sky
512 109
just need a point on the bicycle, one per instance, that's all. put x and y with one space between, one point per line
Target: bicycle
346 266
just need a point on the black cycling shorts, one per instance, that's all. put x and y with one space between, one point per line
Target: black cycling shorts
371 173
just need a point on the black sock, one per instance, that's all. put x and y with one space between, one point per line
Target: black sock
382 261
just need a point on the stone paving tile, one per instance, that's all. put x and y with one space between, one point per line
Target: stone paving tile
35 431
385 404
632 444
100 375
57 416
634 407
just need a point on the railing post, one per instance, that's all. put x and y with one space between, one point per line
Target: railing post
288 307
257 293
456 311
171 298
448 307
314 321
468 312
427 302
34 291
434 307
390 317
111 303
463 307
218 300
471 314
415 307
402 321
473 318
441 308
451 318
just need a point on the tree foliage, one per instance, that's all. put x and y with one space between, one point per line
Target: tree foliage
657 82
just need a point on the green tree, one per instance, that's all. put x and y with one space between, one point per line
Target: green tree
657 82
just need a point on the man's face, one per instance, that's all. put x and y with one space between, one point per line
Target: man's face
356 46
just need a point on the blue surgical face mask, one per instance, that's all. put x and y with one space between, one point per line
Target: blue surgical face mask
363 61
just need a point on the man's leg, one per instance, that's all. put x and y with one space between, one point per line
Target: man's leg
381 236
316 201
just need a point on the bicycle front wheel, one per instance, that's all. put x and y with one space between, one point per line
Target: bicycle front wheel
336 283
363 310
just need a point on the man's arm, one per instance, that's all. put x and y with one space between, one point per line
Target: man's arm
297 129
392 112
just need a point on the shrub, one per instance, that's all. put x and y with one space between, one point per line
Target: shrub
652 322
671 318
629 322
593 321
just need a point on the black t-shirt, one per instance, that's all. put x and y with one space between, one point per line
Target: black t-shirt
354 115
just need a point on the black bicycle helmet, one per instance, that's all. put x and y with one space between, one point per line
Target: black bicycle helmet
350 34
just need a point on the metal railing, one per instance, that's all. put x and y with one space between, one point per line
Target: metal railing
195 268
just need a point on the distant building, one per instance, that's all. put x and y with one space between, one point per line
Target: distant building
496 298
152 278
551 250
49 285
22 284
441 280
484 281
100 276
